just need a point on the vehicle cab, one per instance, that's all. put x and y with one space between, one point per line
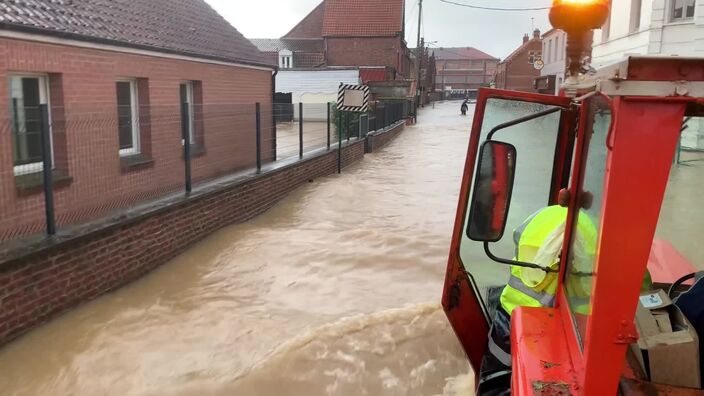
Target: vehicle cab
604 152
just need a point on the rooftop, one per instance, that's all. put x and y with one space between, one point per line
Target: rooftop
363 18
187 27
461 53
294 45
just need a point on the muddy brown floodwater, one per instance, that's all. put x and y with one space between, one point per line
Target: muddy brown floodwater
335 291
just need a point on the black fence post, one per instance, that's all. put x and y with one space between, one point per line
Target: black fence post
300 130
328 106
47 172
339 141
359 126
348 119
259 136
185 134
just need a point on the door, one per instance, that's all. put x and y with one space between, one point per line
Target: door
541 127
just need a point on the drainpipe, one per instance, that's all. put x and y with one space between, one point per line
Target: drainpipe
273 112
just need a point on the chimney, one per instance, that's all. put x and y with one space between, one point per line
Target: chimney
525 38
536 34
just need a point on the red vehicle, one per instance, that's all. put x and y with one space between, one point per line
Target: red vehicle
612 143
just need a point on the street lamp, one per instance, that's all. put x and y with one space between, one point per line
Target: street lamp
577 18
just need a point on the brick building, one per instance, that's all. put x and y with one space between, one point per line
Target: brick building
463 70
368 34
517 71
114 77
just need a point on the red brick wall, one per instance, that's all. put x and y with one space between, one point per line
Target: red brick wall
368 51
311 26
375 141
520 74
38 286
87 80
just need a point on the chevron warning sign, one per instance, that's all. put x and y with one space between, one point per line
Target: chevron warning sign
353 98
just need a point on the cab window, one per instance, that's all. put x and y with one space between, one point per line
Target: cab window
535 142
580 272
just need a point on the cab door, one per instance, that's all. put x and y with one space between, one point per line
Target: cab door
541 127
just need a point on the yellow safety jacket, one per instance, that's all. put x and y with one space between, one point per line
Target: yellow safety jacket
528 287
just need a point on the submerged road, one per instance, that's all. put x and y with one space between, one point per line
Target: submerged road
333 291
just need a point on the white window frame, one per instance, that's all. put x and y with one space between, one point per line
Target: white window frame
635 16
44 98
191 113
286 59
134 104
671 13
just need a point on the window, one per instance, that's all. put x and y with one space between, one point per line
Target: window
187 97
557 48
681 10
27 93
285 59
128 116
563 51
636 6
606 29
581 271
531 57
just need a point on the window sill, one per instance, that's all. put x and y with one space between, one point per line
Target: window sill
135 162
689 21
33 183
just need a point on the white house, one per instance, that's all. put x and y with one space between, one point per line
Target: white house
650 27
314 87
554 59
654 27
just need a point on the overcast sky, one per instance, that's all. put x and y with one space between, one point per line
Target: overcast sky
496 33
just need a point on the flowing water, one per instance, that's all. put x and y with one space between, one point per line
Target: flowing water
335 291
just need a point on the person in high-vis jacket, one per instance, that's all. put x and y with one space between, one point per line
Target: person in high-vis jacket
538 240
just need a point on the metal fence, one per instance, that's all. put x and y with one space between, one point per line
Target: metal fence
70 166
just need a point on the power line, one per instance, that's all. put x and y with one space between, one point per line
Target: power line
493 8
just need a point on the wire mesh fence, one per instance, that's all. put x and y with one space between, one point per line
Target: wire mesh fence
72 166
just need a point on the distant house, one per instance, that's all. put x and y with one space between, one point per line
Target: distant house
517 72
115 76
462 70
350 41
552 75
554 57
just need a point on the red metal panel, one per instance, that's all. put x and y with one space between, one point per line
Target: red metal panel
667 265
665 69
644 139
541 360
372 74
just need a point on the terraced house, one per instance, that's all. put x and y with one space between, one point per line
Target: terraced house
117 81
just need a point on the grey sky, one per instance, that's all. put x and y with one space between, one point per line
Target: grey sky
497 33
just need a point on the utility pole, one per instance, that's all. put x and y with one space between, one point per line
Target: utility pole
419 50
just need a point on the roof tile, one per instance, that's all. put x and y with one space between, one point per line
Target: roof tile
190 27
363 18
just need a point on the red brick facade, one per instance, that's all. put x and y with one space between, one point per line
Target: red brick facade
369 51
85 136
57 276
517 72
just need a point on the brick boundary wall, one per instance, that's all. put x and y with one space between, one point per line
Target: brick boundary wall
47 278
377 140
